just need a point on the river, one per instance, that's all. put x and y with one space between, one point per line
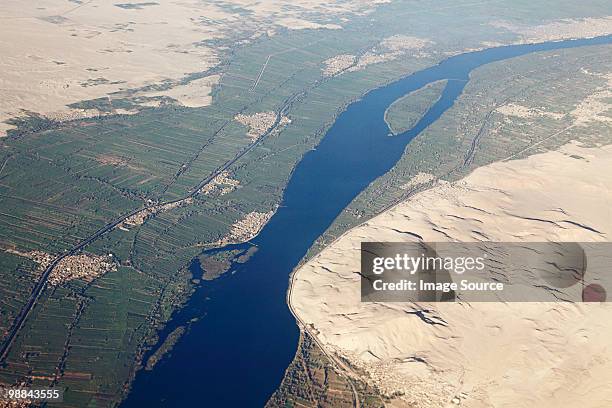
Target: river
235 355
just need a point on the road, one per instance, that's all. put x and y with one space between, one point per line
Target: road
42 282
336 363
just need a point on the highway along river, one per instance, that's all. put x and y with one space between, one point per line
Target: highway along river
236 354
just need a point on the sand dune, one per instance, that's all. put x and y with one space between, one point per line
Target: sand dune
480 354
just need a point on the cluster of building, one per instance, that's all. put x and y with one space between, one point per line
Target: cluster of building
246 228
84 266
337 64
221 185
259 123
43 259
141 216
66 115
389 49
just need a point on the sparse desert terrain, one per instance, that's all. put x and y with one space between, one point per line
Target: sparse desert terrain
480 354
60 52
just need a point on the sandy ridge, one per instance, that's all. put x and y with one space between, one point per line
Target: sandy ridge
482 353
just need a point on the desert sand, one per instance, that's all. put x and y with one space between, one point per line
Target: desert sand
479 354
57 52
60 52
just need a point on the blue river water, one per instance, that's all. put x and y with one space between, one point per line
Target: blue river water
235 355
